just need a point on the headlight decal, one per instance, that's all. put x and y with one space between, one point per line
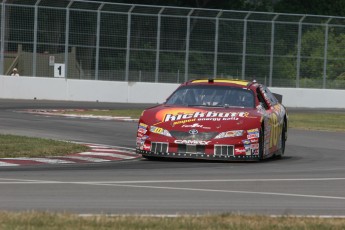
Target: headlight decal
232 133
161 131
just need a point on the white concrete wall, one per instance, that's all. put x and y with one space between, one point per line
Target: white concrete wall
139 92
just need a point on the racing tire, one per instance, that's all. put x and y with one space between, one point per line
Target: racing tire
282 142
150 158
261 143
283 139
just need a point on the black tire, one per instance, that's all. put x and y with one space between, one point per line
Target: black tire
150 158
283 139
261 143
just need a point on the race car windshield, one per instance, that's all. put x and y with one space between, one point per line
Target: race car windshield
212 96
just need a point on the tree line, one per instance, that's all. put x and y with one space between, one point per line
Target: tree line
317 7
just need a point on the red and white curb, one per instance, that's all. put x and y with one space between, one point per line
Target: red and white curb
60 112
97 154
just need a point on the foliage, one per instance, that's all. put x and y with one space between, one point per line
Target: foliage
312 56
316 7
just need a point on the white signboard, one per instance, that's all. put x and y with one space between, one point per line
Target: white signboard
51 60
59 70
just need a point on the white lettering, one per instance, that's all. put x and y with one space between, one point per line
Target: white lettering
191 142
204 116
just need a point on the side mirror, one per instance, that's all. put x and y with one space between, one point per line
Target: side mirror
263 105
279 97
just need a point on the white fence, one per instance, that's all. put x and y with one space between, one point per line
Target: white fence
139 92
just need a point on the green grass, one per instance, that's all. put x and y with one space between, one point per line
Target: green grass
317 121
312 121
37 220
20 146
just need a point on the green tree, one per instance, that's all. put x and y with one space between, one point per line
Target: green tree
312 56
317 7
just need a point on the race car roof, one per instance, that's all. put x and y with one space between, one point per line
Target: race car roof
225 81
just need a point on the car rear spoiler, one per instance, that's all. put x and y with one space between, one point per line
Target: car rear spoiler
279 97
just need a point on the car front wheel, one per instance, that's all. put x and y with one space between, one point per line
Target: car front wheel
261 143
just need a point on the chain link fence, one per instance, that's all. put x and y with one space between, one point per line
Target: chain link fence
122 42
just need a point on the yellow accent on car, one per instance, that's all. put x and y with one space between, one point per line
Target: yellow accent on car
238 82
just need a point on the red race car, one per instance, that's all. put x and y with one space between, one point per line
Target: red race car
215 119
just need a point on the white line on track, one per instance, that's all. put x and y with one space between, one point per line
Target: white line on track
107 154
43 160
91 159
7 164
122 184
199 215
221 180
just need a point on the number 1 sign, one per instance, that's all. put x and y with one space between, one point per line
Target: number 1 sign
59 70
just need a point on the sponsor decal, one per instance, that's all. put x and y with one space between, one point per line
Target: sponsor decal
155 129
175 112
248 152
205 116
254 146
146 147
142 126
191 142
141 140
246 142
240 151
183 121
255 151
253 136
255 140
276 130
141 130
158 130
253 131
195 125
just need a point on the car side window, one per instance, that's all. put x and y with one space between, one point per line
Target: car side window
271 98
261 98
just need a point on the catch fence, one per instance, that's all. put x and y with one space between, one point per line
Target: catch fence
123 42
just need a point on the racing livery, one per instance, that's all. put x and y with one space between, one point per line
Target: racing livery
216 119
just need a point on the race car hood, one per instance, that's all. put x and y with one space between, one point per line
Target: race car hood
202 118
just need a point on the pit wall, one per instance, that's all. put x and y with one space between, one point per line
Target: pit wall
140 92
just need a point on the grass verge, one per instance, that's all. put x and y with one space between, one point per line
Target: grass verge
20 146
298 120
37 220
317 121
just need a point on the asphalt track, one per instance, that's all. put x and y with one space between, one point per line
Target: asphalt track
308 180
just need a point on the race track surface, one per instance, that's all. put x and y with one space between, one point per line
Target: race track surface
308 180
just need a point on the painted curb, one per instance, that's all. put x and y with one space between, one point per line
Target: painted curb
97 154
59 112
